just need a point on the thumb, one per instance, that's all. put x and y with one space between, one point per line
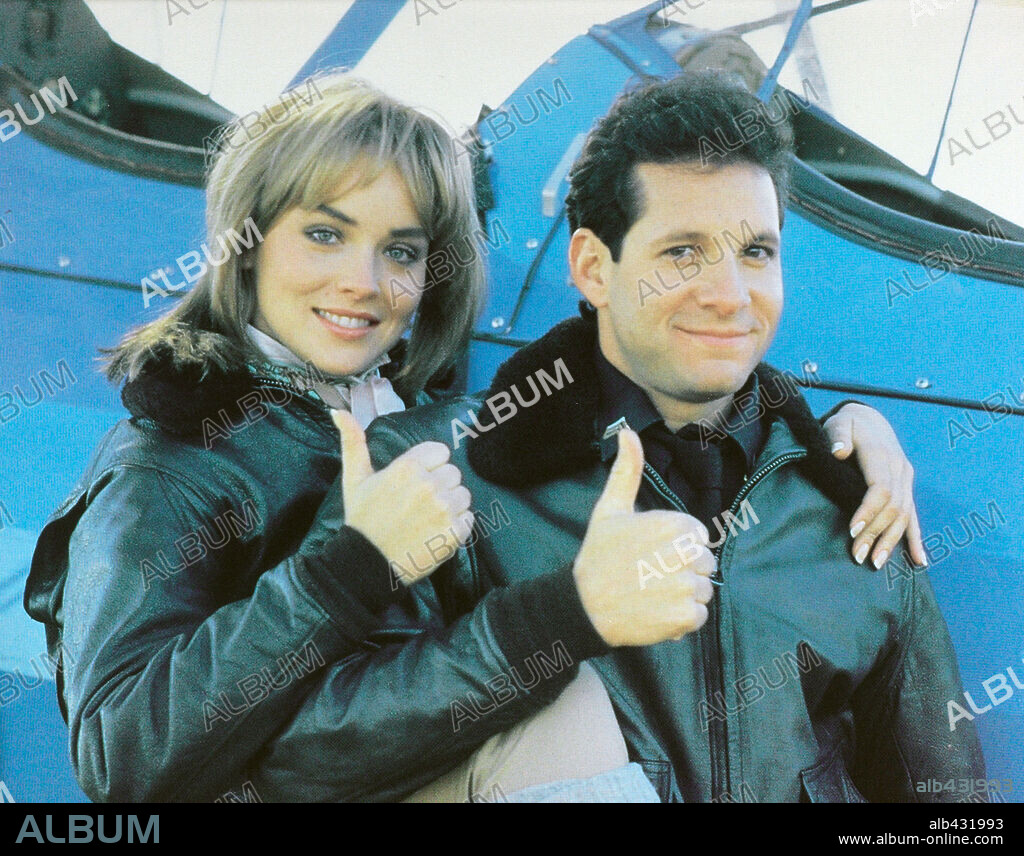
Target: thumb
620 491
840 434
355 457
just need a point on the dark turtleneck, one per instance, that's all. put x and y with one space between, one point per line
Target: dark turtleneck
702 467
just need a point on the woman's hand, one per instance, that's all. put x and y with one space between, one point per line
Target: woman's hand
415 510
888 508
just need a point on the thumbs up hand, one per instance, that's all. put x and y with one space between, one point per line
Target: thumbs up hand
618 539
415 510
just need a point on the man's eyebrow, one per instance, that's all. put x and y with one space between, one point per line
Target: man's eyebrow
410 232
766 237
757 237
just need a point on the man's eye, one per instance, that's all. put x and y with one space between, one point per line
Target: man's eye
760 253
323 235
681 251
404 254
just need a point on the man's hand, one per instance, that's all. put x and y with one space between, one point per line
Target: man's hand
618 538
888 508
415 510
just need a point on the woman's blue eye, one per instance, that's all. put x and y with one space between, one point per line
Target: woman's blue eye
403 254
323 235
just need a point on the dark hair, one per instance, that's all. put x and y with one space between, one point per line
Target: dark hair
691 118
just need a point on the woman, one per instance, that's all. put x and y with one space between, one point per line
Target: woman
196 578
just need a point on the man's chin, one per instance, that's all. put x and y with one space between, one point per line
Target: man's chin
704 389
705 396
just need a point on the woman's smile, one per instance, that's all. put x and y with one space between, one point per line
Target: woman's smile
346 324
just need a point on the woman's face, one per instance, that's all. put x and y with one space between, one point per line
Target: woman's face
339 285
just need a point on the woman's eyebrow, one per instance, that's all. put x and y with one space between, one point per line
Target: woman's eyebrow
409 232
336 214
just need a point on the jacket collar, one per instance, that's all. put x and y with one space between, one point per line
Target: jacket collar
559 435
179 395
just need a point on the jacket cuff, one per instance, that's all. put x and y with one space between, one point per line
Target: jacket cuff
350 575
825 417
537 614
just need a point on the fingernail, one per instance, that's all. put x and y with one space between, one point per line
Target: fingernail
856 530
880 559
838 446
861 553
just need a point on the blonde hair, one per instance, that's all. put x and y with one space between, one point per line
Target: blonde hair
354 131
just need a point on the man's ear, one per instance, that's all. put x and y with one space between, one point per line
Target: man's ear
589 264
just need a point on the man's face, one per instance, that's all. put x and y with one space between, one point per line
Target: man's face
708 242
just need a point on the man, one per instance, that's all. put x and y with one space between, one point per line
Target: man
610 447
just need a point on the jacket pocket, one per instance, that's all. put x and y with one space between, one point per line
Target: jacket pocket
828 782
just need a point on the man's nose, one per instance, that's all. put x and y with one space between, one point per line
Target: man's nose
721 287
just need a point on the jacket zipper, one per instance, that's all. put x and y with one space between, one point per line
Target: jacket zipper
725 783
713 680
718 737
748 485
315 410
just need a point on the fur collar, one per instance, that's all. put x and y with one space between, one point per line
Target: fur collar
181 384
558 435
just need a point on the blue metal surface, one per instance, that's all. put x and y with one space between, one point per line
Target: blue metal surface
961 333
71 223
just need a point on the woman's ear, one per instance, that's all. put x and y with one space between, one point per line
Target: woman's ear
589 261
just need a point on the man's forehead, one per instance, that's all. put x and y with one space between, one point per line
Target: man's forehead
694 200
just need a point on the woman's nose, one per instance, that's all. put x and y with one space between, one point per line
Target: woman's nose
360 274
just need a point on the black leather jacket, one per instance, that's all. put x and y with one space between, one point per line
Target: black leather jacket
192 582
814 679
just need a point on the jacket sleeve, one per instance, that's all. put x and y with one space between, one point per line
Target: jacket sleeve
904 731
171 689
432 685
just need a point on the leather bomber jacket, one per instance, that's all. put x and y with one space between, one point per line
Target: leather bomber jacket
814 678
222 627
191 588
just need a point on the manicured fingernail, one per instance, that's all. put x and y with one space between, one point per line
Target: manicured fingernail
861 553
880 559
856 530
838 446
